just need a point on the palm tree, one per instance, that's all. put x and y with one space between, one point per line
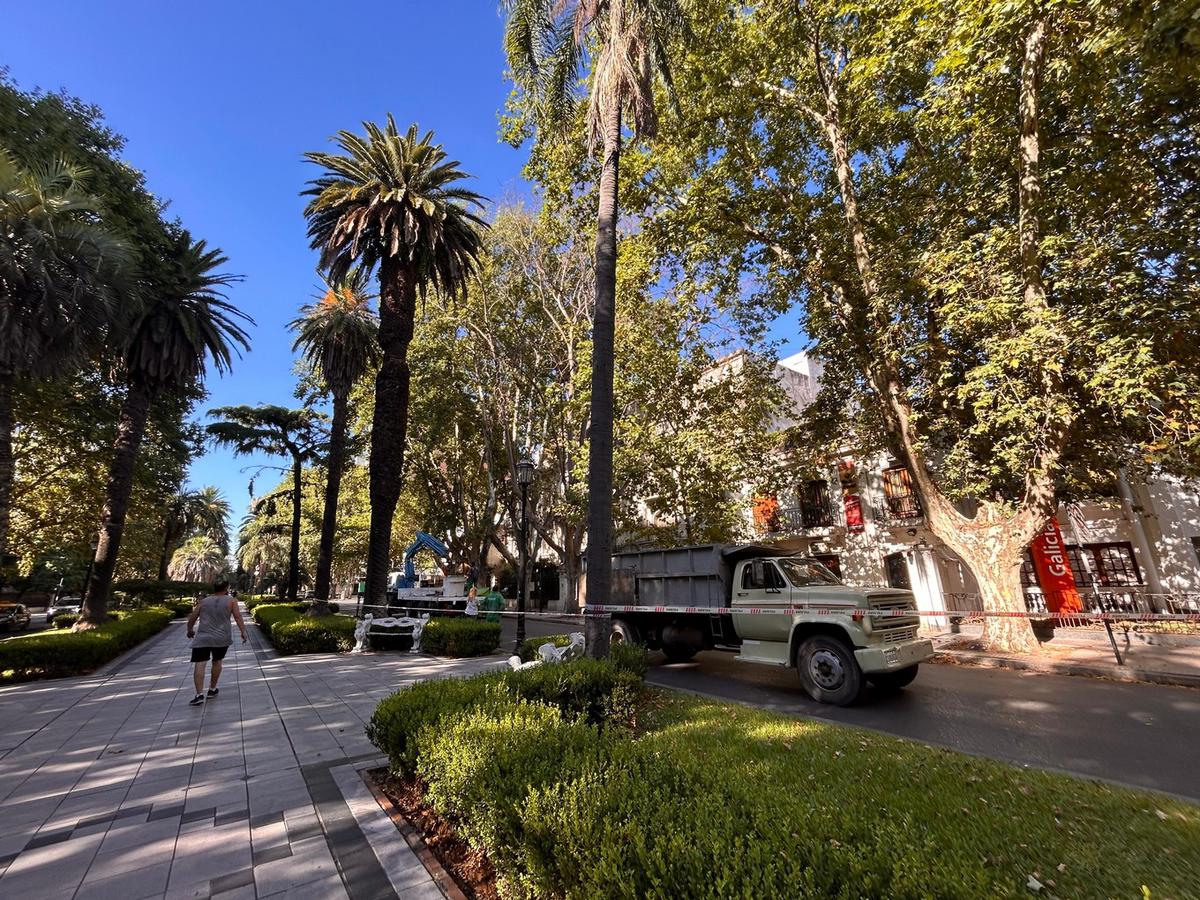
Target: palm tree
547 42
183 325
278 431
193 514
392 200
338 337
59 272
200 558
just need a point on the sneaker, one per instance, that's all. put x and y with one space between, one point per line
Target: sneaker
212 692
197 700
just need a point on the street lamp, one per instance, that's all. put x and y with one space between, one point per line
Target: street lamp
524 479
87 578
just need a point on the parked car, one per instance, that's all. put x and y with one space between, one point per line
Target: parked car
14 617
61 607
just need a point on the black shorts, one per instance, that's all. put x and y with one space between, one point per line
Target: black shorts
202 654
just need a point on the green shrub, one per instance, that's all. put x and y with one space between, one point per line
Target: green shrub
253 600
66 621
327 634
141 591
629 657
479 768
460 637
529 650
53 654
594 691
398 719
267 614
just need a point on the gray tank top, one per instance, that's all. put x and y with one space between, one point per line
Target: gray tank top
214 628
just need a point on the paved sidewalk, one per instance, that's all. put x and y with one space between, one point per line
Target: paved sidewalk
1165 659
111 786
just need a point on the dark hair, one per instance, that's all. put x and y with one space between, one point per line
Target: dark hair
221 586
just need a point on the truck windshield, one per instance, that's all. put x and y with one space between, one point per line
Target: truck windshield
805 572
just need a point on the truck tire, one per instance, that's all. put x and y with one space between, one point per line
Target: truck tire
829 673
677 653
891 682
624 633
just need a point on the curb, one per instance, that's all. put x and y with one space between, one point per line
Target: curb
445 882
1128 674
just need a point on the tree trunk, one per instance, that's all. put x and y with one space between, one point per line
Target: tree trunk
990 544
389 426
333 485
600 448
996 565
6 459
165 560
130 428
293 581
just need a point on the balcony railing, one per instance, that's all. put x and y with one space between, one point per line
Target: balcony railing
900 509
794 519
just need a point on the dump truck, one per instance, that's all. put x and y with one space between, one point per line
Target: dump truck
772 608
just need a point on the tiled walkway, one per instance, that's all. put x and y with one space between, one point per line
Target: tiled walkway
112 786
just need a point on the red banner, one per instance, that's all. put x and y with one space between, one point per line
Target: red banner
1049 552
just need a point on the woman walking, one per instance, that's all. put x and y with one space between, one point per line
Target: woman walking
212 639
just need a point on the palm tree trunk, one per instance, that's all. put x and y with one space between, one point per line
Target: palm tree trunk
130 428
389 427
293 581
6 457
600 449
333 485
165 560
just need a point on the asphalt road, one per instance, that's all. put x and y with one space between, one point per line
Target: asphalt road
1143 735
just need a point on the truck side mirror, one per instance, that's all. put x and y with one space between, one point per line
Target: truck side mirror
758 573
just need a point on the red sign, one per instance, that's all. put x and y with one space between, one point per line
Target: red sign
1049 552
854 515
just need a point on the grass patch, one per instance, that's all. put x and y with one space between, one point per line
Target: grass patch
55 654
710 799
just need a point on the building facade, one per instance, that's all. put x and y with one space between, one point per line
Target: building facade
1140 550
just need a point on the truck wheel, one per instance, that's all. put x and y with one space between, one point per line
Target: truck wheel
829 673
890 682
679 652
624 633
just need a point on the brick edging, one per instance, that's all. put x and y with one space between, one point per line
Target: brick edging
445 882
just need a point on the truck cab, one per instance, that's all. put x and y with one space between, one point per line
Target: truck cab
773 609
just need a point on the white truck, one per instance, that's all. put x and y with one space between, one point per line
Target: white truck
775 609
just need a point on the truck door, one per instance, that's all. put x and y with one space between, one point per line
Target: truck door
760 585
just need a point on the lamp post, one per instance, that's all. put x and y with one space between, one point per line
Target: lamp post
524 479
87 578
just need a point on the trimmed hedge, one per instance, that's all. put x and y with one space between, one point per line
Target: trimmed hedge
292 632
54 654
460 637
254 601
479 768
593 691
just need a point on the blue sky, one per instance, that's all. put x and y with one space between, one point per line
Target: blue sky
219 100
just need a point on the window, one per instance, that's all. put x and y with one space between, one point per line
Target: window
814 506
767 578
897 571
1029 577
831 561
901 502
805 572
1115 564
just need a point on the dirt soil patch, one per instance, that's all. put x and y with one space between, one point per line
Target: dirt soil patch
471 869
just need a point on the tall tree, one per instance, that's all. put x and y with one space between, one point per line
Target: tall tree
58 272
547 43
196 513
338 339
990 290
182 326
277 431
200 558
392 201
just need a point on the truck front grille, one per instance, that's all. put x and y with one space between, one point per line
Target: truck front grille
899 635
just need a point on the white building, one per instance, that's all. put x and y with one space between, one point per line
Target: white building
1139 550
